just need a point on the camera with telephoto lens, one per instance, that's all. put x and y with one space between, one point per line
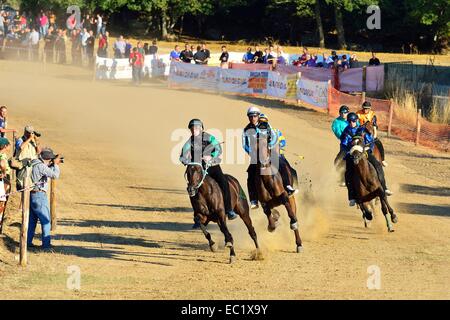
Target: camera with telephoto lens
61 158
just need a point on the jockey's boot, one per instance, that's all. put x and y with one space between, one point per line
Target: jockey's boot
291 191
254 204
352 203
231 215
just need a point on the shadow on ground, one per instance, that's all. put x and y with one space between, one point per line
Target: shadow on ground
431 191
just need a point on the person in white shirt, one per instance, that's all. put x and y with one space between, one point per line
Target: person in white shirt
99 25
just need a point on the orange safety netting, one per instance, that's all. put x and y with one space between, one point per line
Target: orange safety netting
432 135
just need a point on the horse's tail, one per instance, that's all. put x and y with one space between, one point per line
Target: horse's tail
241 191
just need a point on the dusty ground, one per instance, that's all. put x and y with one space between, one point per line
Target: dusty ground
125 218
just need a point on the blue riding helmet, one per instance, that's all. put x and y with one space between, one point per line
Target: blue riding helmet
352 117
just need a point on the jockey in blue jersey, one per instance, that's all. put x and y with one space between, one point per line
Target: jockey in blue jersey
352 130
257 124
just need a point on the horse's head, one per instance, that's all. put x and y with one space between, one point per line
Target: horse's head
264 152
358 149
194 175
369 127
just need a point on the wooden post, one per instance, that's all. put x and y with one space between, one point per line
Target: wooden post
13 172
364 78
391 113
419 111
53 215
329 96
25 217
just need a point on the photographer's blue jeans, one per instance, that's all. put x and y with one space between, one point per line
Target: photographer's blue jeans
39 210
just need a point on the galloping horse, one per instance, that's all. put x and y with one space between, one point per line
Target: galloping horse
271 192
366 184
207 201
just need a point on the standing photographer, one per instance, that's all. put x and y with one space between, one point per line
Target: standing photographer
44 168
27 149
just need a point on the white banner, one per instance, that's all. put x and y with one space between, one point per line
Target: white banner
313 92
194 76
282 85
243 81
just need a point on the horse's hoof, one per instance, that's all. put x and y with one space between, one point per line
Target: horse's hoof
232 259
294 226
299 249
390 230
228 245
214 247
369 216
270 228
394 218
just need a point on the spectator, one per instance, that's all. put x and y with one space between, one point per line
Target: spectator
119 48
102 46
153 49
146 48
248 56
206 52
186 55
44 168
268 58
353 61
34 44
90 43
175 54
281 60
52 20
128 48
5 173
49 46
304 57
137 63
84 37
224 58
311 61
99 22
258 55
4 122
374 61
140 48
60 46
43 25
2 23
200 56
27 149
76 47
344 65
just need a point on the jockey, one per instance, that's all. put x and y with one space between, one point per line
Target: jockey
249 139
205 149
366 114
346 144
340 123
338 126
284 165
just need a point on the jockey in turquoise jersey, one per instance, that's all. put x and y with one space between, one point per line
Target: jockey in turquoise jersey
338 126
352 130
205 149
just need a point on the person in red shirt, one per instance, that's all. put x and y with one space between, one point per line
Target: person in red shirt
102 46
137 63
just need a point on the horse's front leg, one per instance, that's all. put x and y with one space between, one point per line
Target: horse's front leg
228 237
294 223
212 245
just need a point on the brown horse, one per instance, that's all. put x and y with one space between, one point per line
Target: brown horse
366 184
207 201
271 192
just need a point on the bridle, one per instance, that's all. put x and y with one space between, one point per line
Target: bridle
204 173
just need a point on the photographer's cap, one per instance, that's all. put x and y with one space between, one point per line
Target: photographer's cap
29 129
47 154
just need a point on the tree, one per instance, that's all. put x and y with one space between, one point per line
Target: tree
319 24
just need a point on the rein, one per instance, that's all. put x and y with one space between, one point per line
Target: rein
204 173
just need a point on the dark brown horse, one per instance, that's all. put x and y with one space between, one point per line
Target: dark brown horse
366 184
271 192
207 201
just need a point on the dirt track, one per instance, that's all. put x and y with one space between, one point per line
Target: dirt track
125 218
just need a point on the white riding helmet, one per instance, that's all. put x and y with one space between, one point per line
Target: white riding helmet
253 110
